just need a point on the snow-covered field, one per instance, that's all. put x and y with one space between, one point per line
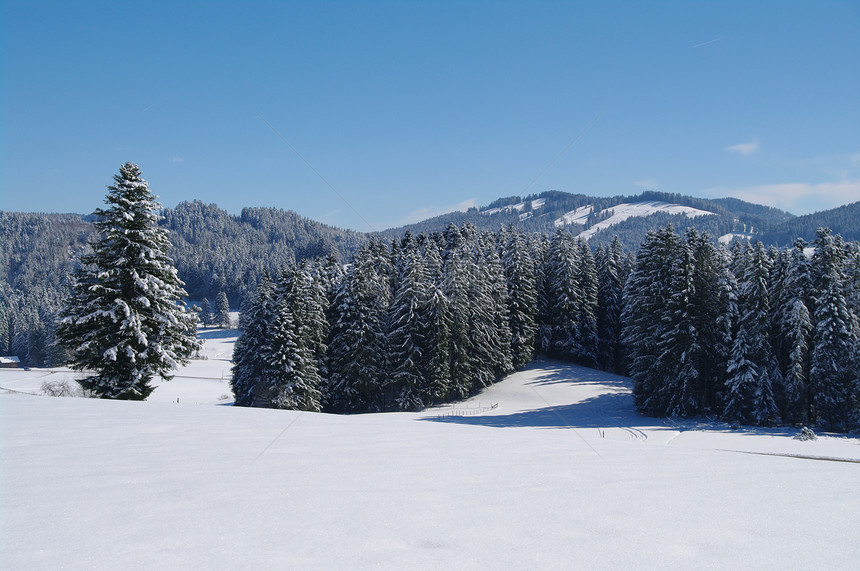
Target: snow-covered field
622 212
549 469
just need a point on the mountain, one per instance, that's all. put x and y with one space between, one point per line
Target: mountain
213 251
844 220
599 219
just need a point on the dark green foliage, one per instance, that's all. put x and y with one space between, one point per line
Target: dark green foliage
844 221
835 336
221 317
124 323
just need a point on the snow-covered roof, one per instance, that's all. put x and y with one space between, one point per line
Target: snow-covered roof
10 360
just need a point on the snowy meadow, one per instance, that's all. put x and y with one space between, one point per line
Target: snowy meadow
550 468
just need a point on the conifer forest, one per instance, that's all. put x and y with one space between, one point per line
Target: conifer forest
744 333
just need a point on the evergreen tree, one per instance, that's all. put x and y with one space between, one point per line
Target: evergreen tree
712 342
206 312
125 320
793 334
438 320
248 361
222 310
290 373
834 337
407 339
752 367
608 262
647 295
588 342
357 357
564 295
522 297
456 291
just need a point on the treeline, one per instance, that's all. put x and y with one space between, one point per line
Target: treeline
426 319
845 218
214 252
745 334
753 335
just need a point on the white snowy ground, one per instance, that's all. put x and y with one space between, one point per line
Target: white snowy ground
550 469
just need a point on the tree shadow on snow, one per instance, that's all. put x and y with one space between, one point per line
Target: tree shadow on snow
555 372
217 333
608 410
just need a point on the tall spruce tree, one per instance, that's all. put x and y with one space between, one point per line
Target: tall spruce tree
793 332
248 362
125 321
835 337
647 296
290 376
222 310
752 369
522 297
356 361
610 278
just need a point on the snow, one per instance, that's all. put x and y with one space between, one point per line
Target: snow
551 468
578 216
727 238
622 212
535 204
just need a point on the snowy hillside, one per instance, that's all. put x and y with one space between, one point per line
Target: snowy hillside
551 468
624 211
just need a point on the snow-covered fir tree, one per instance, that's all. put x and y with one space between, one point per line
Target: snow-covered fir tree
357 357
711 347
206 316
539 251
125 321
564 295
835 337
752 369
610 277
290 375
647 296
792 331
222 310
456 290
409 346
522 296
248 353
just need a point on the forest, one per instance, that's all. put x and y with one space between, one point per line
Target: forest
747 334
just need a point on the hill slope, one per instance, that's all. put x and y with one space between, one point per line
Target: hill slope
561 473
844 220
601 218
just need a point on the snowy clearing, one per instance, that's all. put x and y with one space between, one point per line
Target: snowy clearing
551 468
622 212
727 238
578 216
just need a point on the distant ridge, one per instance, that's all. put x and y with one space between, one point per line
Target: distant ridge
592 217
844 220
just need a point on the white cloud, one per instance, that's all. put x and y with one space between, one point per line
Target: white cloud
797 197
177 159
431 211
746 149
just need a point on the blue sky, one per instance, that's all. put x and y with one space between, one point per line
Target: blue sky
410 109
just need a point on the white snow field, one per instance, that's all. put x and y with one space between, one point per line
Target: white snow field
551 468
623 211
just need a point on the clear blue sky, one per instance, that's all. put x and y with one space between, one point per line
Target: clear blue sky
409 109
